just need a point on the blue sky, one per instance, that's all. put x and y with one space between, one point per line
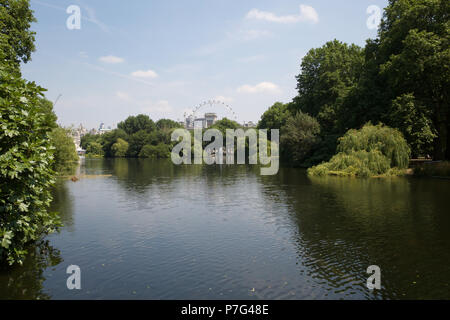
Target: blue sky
163 58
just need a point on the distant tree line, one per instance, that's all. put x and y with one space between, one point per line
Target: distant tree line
140 137
137 136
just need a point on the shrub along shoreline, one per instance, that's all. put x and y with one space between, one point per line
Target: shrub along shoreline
372 151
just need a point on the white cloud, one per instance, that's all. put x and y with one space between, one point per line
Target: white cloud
111 59
91 16
307 14
145 74
268 87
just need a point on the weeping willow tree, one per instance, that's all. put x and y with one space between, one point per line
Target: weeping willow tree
370 151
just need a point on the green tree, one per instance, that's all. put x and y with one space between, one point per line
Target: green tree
89 138
46 107
133 124
414 121
161 151
167 124
275 117
299 139
120 148
25 168
412 56
65 153
25 148
370 151
15 21
137 141
225 124
108 139
95 148
327 76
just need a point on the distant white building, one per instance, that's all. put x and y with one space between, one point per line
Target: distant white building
249 124
189 122
210 119
102 128
200 123
78 133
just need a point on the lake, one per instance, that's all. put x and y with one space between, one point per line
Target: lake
147 229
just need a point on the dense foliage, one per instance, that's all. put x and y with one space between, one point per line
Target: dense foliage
27 151
95 149
413 58
65 154
135 137
25 168
160 151
275 117
15 21
327 76
224 124
407 75
120 148
140 137
299 138
401 79
370 151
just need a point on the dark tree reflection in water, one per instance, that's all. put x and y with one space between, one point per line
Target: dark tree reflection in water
346 225
147 229
27 281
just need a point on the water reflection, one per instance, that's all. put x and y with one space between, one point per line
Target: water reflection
345 225
63 203
146 229
27 281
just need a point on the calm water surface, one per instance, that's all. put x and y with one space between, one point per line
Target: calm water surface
142 229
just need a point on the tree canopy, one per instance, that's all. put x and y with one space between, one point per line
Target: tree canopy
401 79
65 154
26 155
133 124
327 75
409 70
299 138
15 22
370 151
275 117
136 137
